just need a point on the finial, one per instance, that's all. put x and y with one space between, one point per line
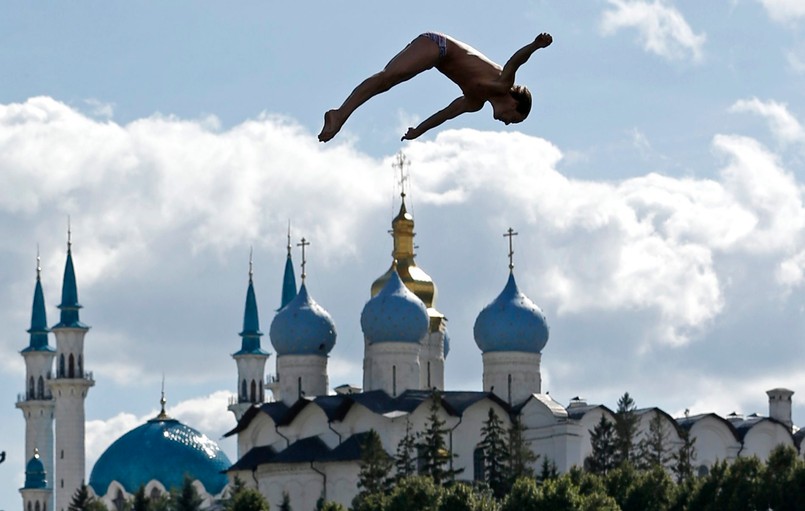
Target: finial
303 244
510 234
38 263
401 164
69 234
36 452
162 401
251 263
289 237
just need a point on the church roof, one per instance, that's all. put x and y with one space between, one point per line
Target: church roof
302 327
512 322
395 314
162 449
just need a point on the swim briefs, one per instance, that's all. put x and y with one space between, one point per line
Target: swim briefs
439 39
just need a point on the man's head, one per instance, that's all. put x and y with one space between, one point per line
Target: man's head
514 107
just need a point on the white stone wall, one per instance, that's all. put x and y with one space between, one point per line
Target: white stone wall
305 372
39 433
714 442
431 361
764 437
520 368
37 499
251 368
392 367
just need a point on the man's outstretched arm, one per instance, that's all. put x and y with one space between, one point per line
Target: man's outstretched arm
521 56
457 107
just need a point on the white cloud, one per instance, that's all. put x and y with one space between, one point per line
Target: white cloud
783 124
662 28
784 11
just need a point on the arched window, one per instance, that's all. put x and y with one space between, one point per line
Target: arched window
61 365
31 388
44 506
80 366
262 394
393 381
155 493
71 367
478 464
36 506
253 396
243 393
299 387
29 506
40 391
120 500
703 471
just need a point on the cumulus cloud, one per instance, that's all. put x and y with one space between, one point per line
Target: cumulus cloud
661 27
784 11
785 127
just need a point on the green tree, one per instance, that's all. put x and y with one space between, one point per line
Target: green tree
496 454
463 497
602 439
653 449
405 459
684 457
521 457
83 501
548 470
436 458
141 502
524 496
779 479
370 502
626 422
285 504
415 493
650 490
188 498
242 498
376 465
329 505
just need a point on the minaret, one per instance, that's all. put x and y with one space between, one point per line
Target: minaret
511 332
288 278
69 389
302 333
37 495
251 358
432 352
37 402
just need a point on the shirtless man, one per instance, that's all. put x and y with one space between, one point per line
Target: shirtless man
479 78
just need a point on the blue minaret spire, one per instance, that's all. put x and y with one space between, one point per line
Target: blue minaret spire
69 306
251 321
288 279
39 323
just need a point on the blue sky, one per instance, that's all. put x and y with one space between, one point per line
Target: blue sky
657 188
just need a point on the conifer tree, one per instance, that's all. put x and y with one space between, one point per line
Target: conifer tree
83 501
285 505
141 502
653 450
405 459
243 498
684 457
436 458
625 428
188 498
521 457
496 453
604 456
376 465
548 470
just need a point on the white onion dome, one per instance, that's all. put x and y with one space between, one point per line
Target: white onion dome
302 327
512 322
395 314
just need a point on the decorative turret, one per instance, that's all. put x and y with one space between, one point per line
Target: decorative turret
36 494
394 323
69 390
251 358
302 333
36 403
288 278
511 332
415 279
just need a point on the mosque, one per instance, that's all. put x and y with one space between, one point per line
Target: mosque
304 439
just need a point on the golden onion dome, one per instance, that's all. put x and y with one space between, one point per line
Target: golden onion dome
414 278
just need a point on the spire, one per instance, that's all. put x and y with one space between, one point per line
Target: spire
251 321
39 323
163 416
288 279
511 234
69 292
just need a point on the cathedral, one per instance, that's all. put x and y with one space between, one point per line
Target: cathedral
298 436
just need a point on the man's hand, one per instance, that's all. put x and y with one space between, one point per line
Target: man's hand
543 40
411 134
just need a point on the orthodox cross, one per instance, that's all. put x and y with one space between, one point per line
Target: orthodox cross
303 244
510 234
401 164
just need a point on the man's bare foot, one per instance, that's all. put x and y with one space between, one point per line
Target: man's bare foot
332 125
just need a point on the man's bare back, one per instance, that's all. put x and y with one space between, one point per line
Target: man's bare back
479 78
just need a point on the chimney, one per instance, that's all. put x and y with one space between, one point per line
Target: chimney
780 406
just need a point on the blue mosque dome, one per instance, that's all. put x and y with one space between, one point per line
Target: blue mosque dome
512 322
395 314
302 327
162 449
35 476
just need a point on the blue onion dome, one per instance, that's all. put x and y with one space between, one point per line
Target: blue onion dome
35 476
395 314
302 327
512 322
162 449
